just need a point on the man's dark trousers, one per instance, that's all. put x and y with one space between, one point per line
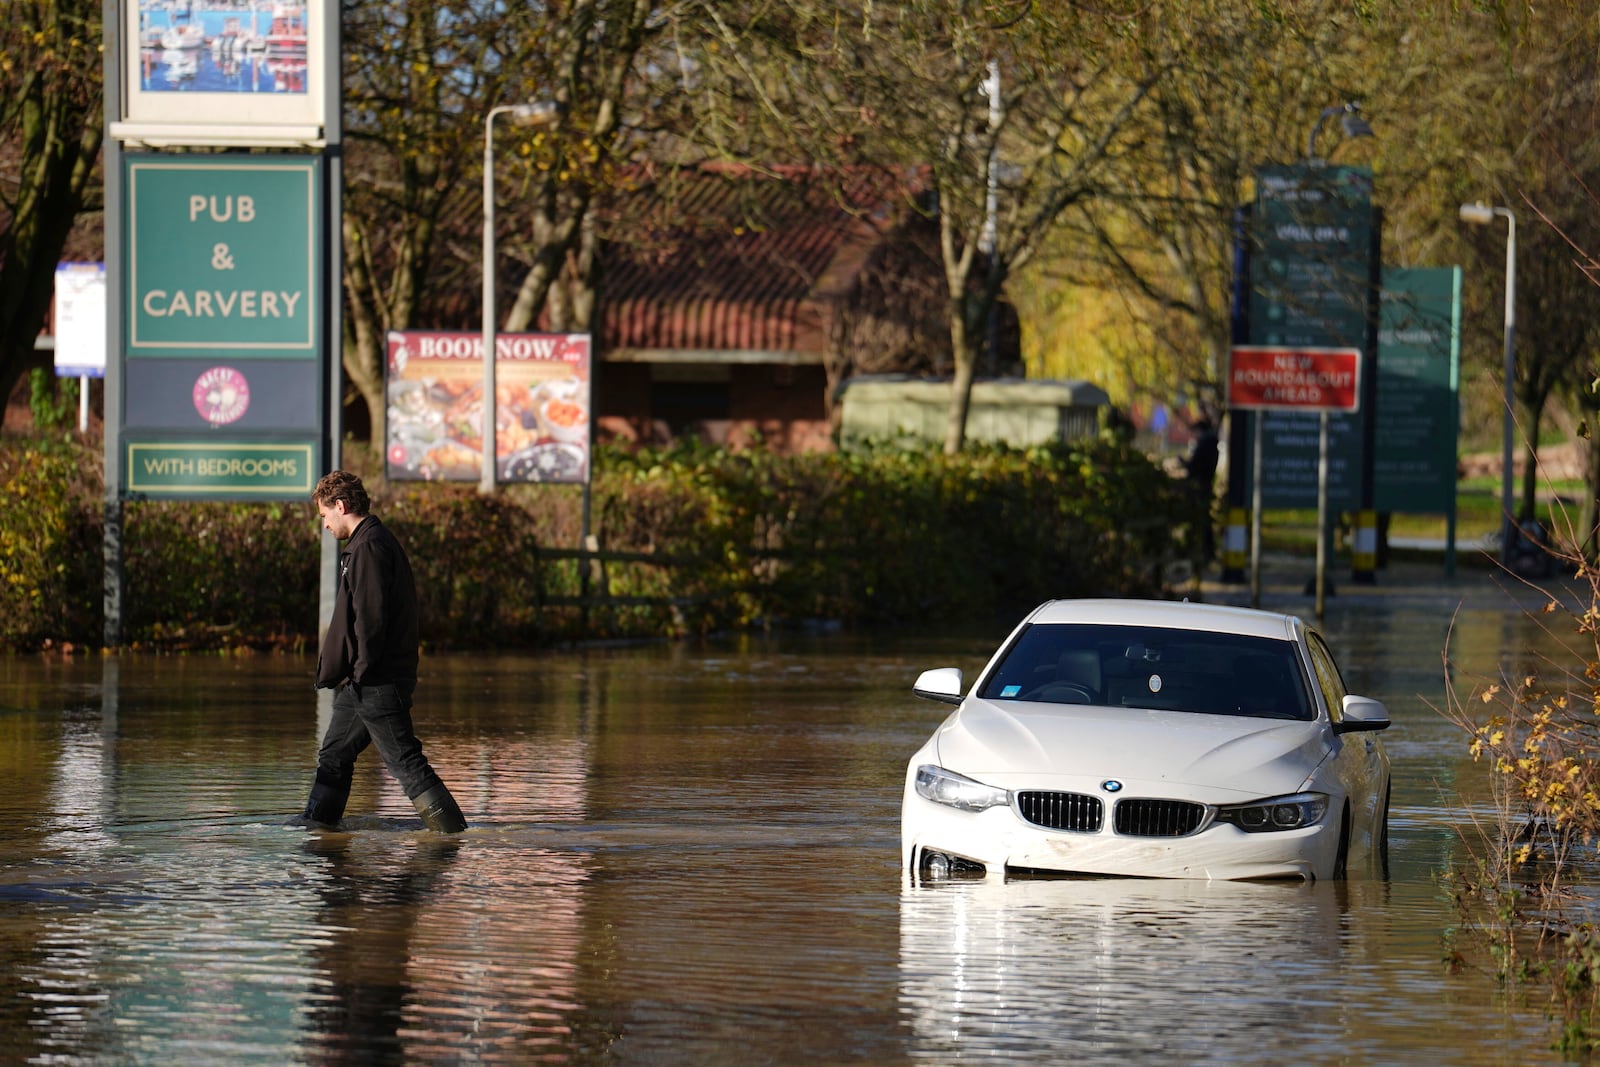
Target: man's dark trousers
379 715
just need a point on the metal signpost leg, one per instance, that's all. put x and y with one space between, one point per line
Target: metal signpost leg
1255 514
1322 515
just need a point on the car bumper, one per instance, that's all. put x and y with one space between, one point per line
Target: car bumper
1000 840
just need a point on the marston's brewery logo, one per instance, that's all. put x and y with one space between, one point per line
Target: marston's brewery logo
221 395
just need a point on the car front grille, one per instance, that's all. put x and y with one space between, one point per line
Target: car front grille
1137 817
1062 811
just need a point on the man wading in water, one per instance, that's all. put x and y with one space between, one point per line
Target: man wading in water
369 658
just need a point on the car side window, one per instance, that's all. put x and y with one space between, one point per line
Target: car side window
1328 679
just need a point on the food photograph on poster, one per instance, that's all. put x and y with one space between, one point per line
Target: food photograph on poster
435 407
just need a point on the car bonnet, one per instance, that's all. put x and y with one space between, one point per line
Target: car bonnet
1017 744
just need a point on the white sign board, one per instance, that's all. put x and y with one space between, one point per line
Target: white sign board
230 72
81 320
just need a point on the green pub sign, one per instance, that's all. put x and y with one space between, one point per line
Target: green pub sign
223 324
223 256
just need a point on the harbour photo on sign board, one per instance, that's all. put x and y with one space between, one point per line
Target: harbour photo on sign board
222 46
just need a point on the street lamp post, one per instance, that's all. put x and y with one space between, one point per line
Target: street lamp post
987 241
543 113
1480 215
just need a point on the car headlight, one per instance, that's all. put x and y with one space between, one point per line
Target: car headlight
957 790
1276 813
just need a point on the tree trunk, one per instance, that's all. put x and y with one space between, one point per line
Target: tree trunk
1530 471
585 277
963 347
57 146
1587 533
363 349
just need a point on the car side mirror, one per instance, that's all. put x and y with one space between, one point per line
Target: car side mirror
942 684
1362 713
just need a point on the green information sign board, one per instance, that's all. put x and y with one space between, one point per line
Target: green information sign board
1312 260
1419 368
203 470
223 255
1312 257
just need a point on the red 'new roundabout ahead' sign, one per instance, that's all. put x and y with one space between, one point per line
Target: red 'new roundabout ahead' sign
1295 379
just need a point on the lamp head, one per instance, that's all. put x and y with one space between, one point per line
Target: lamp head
1477 214
1350 121
539 113
1354 125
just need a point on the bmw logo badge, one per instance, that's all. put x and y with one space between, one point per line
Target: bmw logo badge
1111 785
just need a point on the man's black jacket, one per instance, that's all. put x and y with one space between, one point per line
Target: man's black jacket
372 639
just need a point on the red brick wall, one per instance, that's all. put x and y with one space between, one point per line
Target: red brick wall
783 405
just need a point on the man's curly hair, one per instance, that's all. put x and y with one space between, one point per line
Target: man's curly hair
342 485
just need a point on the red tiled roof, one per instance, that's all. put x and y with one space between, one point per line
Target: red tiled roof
726 257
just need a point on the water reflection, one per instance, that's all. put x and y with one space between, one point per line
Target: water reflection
407 965
677 854
197 957
1057 970
82 782
1118 971
372 901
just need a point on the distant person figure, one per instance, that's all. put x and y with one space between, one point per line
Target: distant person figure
369 658
1201 462
1200 467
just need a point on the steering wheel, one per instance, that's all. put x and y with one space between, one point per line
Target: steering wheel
1060 693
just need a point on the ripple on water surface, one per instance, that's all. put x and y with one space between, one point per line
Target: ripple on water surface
676 857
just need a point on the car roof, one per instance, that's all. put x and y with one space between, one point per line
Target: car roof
1170 614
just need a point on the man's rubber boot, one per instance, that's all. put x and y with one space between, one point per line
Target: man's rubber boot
439 811
325 806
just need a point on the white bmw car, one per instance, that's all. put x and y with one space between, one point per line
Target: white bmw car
1151 739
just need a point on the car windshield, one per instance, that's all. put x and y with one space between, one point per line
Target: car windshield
1156 668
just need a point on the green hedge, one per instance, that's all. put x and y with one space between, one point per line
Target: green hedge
752 537
50 544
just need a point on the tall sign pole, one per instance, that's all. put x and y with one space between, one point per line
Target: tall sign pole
111 544
222 207
333 230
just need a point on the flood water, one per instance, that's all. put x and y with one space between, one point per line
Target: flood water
679 854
